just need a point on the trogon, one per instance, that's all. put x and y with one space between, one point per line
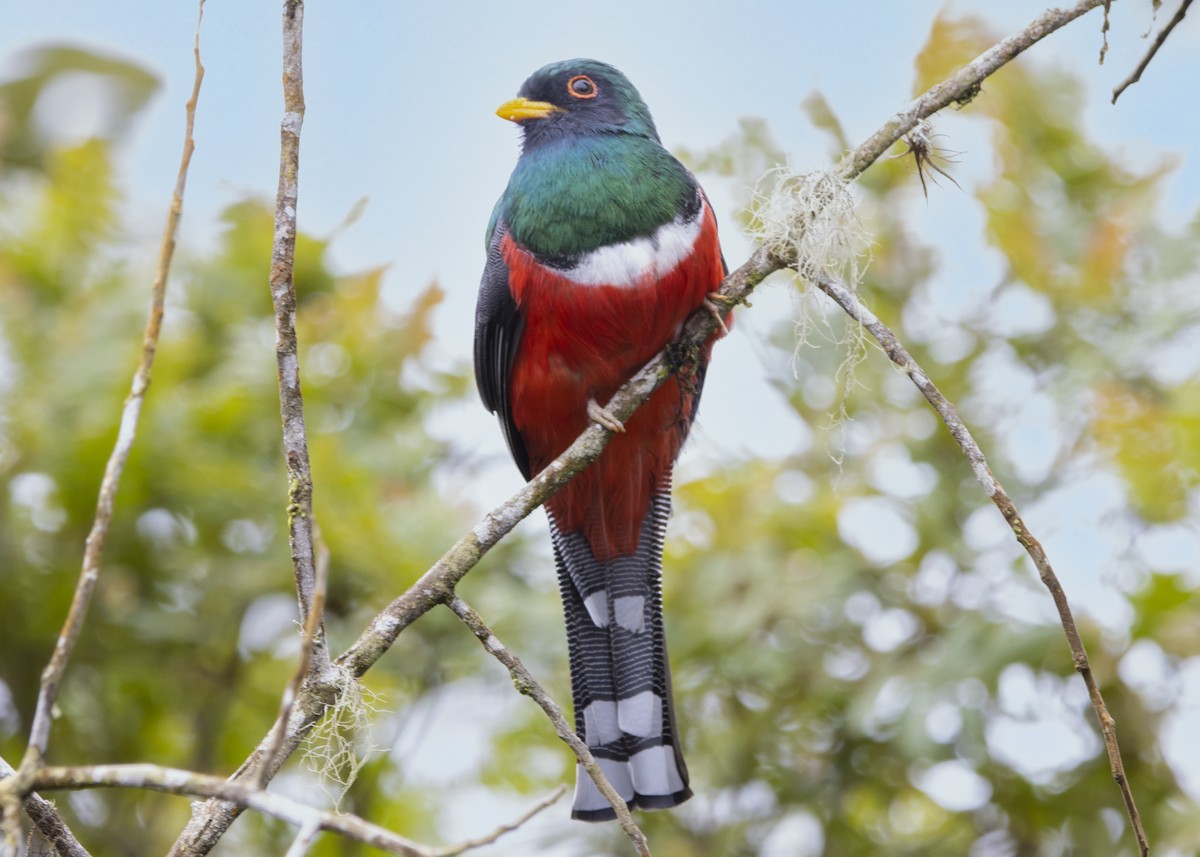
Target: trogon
598 250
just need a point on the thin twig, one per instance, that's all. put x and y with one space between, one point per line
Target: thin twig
1158 43
304 839
524 682
52 675
548 801
1104 28
283 298
209 821
272 761
899 355
436 586
959 88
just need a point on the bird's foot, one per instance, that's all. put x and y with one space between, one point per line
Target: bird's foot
710 304
599 415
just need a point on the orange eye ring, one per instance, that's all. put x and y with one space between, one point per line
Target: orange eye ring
583 87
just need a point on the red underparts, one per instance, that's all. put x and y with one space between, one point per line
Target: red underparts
584 341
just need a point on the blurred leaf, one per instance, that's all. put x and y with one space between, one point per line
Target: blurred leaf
23 142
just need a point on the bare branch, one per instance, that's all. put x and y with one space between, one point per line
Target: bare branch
50 824
210 821
40 811
960 87
283 298
312 626
524 682
212 818
899 355
53 673
304 839
1136 75
1104 28
548 801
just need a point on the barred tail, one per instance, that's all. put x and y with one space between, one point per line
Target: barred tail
620 677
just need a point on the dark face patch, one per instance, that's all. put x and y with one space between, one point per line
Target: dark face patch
587 99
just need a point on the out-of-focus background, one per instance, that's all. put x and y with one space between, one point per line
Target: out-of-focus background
864 659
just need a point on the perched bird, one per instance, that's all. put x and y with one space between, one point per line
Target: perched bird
599 249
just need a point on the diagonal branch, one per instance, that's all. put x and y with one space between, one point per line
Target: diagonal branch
306 836
960 87
547 801
899 355
1136 74
54 830
53 673
524 682
436 586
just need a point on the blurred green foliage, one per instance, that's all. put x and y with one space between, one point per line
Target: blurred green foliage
835 699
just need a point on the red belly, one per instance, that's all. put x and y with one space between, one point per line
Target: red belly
583 342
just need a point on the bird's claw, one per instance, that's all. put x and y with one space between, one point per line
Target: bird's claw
599 415
710 304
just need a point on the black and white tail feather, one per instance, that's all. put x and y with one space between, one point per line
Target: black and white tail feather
620 677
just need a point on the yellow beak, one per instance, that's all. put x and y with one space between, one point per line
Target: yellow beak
520 109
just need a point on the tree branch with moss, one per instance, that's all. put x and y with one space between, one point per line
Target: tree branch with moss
437 586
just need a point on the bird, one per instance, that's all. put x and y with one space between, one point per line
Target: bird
599 249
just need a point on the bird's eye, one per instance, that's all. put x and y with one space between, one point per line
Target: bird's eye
582 86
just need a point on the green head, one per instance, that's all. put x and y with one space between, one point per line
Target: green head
592 169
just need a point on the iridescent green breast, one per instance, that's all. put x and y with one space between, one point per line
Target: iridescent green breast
581 193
